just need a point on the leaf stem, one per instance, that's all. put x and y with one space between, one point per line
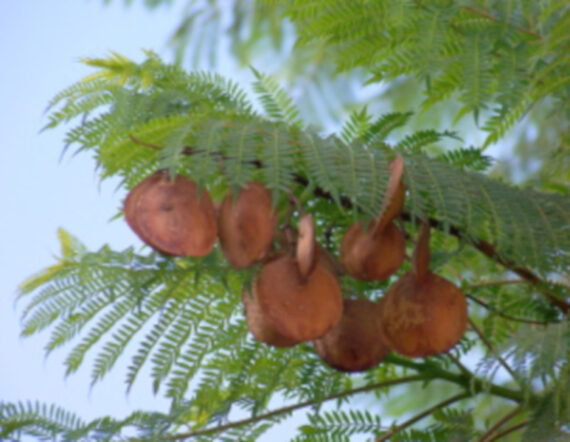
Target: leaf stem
297 406
495 283
492 349
505 315
509 430
489 17
470 383
421 415
507 417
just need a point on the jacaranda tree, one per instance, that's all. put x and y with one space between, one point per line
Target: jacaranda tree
452 79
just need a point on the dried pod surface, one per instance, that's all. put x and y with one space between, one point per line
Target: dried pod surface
422 318
246 225
130 205
306 246
374 254
260 327
356 343
372 257
172 216
395 194
300 308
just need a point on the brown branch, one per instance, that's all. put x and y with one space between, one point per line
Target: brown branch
507 417
421 415
508 430
294 407
483 246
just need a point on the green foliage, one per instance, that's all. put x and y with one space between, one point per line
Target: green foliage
181 319
498 57
213 115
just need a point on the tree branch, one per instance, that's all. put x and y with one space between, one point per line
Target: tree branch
294 407
470 382
508 430
507 417
421 415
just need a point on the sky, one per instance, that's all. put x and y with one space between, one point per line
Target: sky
41 43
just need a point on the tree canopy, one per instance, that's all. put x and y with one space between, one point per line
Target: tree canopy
447 81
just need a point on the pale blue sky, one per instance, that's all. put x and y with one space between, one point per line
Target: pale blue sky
40 44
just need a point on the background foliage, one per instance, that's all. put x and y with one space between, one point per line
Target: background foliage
471 70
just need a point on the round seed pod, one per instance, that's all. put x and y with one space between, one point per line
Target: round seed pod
423 318
371 256
300 308
259 326
423 314
246 225
131 201
375 253
172 216
356 343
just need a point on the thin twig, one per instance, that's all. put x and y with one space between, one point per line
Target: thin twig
492 349
507 417
421 415
505 315
508 430
461 367
294 407
495 283
489 17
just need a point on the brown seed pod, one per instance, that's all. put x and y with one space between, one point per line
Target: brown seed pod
246 225
372 256
172 216
300 308
356 343
375 253
259 326
423 314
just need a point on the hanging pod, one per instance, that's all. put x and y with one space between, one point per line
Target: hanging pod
423 314
246 225
301 299
260 327
172 215
356 343
376 252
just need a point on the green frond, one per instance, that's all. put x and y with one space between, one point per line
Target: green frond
469 158
275 101
341 425
34 419
415 142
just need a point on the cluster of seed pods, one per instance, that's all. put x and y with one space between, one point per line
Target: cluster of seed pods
296 295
